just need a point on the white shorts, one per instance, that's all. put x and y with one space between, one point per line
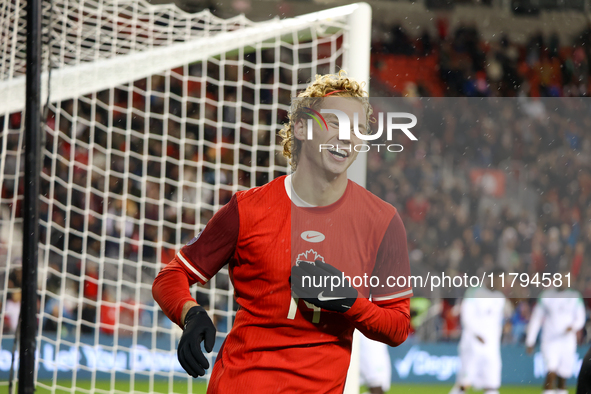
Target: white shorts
560 356
375 367
480 365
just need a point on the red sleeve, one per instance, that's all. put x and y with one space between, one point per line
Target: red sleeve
197 261
392 264
207 253
171 290
387 317
386 321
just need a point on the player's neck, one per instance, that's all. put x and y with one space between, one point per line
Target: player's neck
318 190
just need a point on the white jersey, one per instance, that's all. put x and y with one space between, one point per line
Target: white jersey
482 314
556 312
375 366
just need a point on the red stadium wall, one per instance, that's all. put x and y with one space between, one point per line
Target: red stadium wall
398 70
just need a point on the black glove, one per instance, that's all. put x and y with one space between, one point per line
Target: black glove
340 299
198 327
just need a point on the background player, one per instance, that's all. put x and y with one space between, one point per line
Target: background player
483 312
375 366
279 343
560 314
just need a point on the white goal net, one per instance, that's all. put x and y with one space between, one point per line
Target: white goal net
155 118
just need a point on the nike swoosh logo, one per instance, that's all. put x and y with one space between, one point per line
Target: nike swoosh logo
312 236
321 297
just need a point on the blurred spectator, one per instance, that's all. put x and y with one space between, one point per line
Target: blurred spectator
61 307
12 310
108 317
519 320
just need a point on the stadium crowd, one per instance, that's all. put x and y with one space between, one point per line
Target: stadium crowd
527 213
453 221
459 224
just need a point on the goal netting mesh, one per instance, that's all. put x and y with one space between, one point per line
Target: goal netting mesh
155 118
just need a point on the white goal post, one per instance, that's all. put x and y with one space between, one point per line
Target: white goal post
155 118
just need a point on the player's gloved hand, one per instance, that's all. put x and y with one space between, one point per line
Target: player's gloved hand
335 294
198 327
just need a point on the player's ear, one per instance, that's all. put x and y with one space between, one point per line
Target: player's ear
299 130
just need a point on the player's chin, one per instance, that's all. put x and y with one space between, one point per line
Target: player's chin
337 170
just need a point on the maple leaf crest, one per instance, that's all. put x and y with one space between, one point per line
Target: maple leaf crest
310 256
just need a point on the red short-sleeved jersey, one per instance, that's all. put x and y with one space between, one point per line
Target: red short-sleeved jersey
278 344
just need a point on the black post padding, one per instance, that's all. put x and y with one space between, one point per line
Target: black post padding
28 328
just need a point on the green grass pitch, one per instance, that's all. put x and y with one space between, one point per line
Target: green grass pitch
200 388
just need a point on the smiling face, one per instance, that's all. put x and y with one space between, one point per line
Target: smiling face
336 159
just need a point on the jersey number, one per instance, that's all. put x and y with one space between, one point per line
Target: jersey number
293 307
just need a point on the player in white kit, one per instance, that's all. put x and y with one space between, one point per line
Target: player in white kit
560 313
375 366
483 312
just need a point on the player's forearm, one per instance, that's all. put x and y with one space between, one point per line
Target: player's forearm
580 319
532 332
389 324
171 291
535 323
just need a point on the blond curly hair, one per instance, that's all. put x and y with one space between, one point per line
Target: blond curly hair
323 85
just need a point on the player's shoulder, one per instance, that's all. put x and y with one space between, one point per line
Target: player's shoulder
572 294
497 295
500 300
471 292
545 295
272 190
366 200
548 298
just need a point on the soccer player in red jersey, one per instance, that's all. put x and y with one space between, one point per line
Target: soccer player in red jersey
286 337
